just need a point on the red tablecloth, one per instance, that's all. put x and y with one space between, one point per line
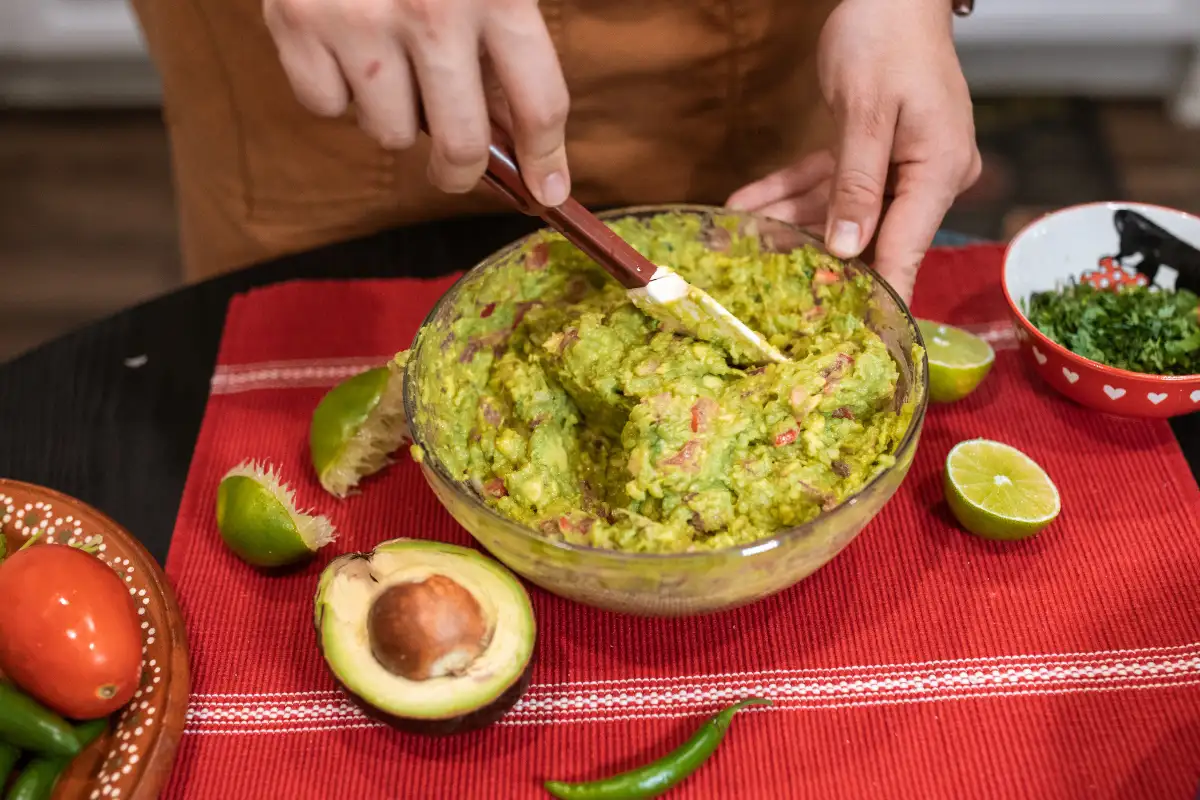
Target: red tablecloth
920 663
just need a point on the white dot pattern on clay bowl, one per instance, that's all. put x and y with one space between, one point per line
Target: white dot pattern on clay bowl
144 734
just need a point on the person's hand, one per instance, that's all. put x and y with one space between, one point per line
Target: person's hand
890 74
386 56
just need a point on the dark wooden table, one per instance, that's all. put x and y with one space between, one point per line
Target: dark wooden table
85 416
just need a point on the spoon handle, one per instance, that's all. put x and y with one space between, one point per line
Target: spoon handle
578 225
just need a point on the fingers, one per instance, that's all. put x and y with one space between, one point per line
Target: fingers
799 179
808 209
395 57
926 188
867 131
526 66
381 81
444 48
924 193
310 67
497 102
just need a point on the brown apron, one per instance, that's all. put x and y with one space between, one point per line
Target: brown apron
671 100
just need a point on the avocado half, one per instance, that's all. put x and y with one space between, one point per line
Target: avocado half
425 636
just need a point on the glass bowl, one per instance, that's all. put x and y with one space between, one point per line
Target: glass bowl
674 584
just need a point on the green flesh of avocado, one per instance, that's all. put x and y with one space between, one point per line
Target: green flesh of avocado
477 693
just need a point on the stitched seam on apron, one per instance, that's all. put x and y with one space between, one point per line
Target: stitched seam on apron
235 112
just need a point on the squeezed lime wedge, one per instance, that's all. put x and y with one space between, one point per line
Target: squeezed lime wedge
258 519
357 427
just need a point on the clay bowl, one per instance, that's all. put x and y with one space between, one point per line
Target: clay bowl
1071 245
134 760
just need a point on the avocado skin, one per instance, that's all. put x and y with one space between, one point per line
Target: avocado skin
465 723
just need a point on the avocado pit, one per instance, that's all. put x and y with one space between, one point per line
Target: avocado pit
427 629
425 636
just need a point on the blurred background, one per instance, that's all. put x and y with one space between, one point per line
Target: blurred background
1076 100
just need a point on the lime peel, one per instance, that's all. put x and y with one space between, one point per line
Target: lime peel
267 530
357 427
998 492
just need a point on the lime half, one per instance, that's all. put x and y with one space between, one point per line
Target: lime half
958 361
259 521
997 492
357 426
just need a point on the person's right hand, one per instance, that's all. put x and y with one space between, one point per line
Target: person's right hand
389 55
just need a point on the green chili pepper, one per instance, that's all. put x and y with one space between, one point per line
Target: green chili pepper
8 759
38 779
661 775
29 725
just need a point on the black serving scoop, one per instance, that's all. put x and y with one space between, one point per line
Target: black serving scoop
1157 247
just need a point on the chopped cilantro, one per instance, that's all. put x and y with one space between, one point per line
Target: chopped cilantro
1133 328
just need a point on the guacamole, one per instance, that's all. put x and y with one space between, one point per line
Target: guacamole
573 413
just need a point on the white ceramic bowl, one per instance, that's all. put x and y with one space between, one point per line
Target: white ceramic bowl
1070 244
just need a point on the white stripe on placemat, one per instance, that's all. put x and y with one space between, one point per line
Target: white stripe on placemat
305 373
318 372
798 690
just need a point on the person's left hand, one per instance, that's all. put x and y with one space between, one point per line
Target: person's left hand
890 74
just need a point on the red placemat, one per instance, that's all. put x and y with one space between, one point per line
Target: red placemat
922 662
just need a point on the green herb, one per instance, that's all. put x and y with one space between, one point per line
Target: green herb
91 545
1133 328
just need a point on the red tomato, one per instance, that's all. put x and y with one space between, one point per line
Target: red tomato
786 438
69 633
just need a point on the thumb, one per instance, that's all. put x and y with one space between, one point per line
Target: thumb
859 179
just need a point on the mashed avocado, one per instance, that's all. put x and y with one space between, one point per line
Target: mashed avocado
571 412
